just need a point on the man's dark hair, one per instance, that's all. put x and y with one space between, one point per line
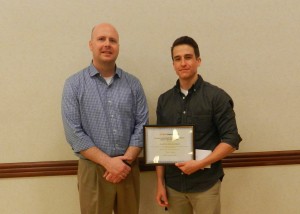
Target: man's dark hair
185 40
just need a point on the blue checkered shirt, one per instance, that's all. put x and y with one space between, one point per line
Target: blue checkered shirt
108 116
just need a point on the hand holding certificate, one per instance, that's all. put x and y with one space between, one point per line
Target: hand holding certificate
168 144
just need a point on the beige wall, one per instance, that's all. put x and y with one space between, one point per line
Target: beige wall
249 48
259 190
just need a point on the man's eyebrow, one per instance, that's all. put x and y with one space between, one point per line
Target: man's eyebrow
178 56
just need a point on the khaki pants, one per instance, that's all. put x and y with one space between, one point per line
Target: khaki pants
98 196
207 202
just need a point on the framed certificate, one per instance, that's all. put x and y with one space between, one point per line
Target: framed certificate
168 144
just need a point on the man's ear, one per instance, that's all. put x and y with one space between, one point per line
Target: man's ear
199 61
90 45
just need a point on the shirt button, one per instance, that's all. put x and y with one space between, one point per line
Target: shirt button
184 112
182 173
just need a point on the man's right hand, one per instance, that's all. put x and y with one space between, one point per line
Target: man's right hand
116 170
161 196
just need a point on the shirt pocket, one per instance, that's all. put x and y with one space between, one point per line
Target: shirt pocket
125 102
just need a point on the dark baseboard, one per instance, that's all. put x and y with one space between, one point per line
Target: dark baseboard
69 167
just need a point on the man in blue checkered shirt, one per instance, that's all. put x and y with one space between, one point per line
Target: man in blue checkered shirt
104 110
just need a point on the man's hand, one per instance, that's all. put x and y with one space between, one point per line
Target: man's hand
221 151
161 196
189 167
116 170
113 179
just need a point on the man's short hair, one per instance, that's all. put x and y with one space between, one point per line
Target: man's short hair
186 40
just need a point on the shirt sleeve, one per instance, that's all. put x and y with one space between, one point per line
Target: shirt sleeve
141 117
224 119
71 118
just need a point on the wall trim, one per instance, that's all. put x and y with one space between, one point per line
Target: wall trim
69 167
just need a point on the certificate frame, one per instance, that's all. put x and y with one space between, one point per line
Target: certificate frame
168 144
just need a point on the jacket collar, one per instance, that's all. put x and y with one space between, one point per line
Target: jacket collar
196 86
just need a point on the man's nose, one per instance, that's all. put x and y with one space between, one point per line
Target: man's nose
183 62
107 42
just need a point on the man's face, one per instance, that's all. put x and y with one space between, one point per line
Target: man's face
185 62
104 44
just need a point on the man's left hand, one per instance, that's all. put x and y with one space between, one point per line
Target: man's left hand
189 167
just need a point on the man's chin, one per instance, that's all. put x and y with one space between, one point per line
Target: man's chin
108 59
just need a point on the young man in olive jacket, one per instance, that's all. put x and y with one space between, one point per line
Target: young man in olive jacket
191 186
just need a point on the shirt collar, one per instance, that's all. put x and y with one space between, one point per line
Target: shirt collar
93 71
194 87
